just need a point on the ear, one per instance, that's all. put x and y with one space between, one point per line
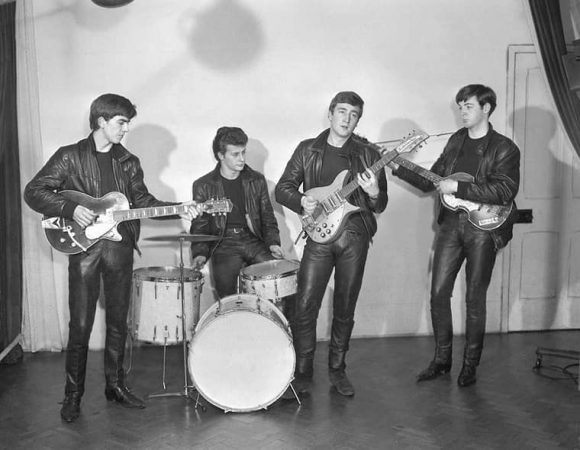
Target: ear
486 108
101 122
220 156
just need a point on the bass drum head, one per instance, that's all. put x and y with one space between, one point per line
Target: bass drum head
241 360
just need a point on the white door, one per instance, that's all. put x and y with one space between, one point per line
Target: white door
542 274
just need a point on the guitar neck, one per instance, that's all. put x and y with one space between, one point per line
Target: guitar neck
428 175
351 187
144 213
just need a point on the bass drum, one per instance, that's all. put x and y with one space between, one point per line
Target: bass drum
241 357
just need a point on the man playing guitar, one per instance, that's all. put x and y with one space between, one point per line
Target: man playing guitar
492 162
316 163
96 166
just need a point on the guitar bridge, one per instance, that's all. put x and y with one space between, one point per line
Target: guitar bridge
71 235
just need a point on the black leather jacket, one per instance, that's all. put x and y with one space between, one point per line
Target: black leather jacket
496 182
305 167
75 167
259 212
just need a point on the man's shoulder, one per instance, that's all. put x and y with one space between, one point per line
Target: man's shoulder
209 178
499 139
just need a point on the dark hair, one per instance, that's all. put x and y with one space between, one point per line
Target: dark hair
108 106
483 94
228 136
352 98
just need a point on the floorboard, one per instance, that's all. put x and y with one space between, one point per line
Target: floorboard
510 406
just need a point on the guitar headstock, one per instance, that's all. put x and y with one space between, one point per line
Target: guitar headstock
218 206
412 141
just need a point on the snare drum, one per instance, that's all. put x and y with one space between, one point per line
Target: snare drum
156 304
271 280
241 358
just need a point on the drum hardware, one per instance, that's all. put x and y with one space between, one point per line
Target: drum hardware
187 388
275 281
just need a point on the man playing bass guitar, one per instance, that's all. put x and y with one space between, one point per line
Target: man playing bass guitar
316 163
491 162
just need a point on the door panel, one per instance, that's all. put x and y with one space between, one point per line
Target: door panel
542 274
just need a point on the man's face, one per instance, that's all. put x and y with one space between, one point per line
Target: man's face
115 128
472 113
234 158
344 119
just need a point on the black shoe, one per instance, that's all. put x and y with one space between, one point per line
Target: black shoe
434 370
123 396
71 407
467 375
341 382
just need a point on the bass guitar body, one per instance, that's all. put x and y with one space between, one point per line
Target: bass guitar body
483 216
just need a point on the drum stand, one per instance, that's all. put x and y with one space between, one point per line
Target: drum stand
187 388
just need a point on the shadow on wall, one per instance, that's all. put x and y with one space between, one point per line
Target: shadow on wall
541 177
417 235
227 36
153 145
256 157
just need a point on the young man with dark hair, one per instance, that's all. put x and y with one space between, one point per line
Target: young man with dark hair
317 163
492 162
97 165
250 229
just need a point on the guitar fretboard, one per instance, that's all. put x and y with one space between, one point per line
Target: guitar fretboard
434 178
144 213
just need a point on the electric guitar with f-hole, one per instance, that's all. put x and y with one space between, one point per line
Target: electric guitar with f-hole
67 236
328 217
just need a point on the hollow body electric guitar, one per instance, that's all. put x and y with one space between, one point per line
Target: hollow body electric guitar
67 236
328 218
483 216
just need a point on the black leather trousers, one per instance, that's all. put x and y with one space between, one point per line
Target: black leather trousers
458 241
347 256
113 263
235 252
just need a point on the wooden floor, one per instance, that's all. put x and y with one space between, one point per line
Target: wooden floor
510 407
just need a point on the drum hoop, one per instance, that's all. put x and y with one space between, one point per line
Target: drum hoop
284 274
194 275
215 315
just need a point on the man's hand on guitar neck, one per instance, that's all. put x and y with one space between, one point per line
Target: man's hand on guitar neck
193 211
447 186
369 183
83 216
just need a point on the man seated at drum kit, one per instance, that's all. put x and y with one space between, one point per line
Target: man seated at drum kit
249 233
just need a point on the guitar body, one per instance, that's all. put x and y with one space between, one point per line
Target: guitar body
69 237
483 216
324 225
327 219
66 236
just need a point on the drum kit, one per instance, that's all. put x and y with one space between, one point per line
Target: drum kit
239 354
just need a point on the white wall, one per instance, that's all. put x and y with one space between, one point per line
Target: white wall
272 67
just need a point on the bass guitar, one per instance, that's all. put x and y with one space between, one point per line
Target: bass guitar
327 219
483 216
67 236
